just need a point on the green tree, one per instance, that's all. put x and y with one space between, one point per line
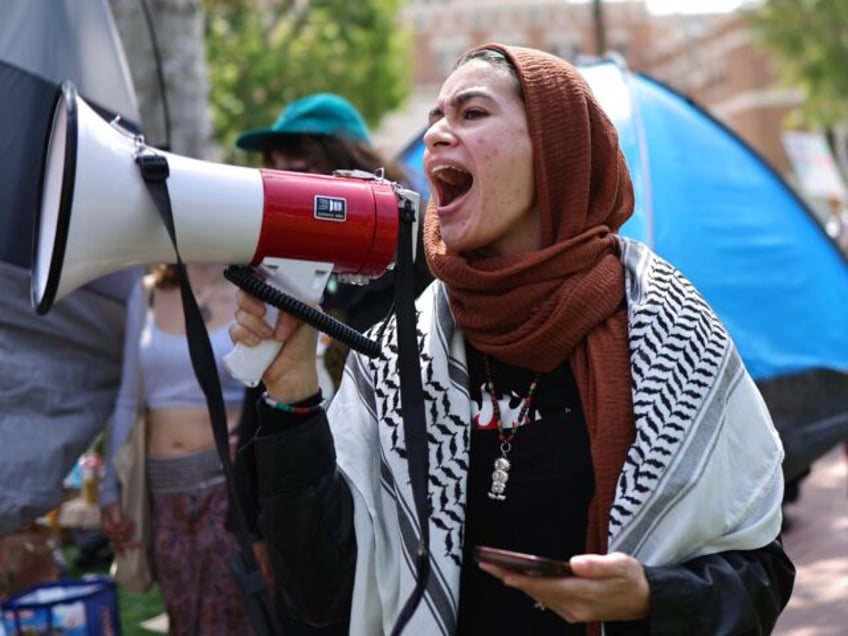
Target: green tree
263 54
810 40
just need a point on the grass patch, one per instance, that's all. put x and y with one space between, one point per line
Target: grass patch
137 608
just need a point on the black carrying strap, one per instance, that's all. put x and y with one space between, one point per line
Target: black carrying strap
154 169
412 407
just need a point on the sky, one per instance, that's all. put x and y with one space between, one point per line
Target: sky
691 6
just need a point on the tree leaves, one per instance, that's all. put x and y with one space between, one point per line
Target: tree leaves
810 39
262 55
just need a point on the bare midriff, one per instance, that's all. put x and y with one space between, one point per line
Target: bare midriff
172 432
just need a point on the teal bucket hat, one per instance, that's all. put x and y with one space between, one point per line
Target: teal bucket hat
318 114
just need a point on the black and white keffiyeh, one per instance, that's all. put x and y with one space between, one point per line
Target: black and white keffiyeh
702 476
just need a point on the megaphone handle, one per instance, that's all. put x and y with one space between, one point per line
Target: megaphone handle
247 364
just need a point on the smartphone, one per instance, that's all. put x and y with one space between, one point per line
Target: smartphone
528 564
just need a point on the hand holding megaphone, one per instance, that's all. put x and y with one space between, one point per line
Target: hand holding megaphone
294 376
303 280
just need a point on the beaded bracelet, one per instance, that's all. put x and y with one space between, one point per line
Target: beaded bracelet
296 410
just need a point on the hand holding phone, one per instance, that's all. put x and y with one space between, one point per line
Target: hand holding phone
528 564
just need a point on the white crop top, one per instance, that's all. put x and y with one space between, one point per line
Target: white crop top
167 375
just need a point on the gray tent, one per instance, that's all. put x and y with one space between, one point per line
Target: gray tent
58 373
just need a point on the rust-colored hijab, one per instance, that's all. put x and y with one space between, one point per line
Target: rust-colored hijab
565 301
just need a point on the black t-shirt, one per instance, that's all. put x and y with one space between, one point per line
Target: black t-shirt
547 496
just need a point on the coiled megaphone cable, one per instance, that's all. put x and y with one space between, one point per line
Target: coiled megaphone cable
245 278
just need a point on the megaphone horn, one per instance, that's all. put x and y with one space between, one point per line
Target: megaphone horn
97 216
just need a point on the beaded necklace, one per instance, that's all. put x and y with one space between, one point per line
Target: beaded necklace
502 465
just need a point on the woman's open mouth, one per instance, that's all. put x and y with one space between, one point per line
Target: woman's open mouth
450 183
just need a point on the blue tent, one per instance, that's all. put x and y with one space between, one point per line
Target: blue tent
709 204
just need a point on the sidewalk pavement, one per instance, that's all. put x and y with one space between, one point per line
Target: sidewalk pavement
817 542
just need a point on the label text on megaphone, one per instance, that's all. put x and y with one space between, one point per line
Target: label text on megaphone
330 208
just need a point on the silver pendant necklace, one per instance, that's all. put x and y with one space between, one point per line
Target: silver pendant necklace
502 465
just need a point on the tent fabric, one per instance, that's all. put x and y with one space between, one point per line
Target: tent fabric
412 159
58 379
58 373
68 39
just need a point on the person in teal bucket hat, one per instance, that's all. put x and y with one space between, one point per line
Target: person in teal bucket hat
318 114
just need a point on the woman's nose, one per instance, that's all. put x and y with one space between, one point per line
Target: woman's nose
438 134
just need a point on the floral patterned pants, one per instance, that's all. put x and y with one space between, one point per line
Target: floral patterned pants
193 551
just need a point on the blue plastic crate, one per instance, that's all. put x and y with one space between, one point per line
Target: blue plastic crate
71 607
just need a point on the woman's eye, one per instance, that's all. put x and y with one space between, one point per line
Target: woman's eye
474 113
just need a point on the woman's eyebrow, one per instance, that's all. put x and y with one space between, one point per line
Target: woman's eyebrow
458 100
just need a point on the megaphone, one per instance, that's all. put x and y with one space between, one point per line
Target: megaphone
96 215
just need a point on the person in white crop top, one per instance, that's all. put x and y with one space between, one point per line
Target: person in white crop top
192 546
